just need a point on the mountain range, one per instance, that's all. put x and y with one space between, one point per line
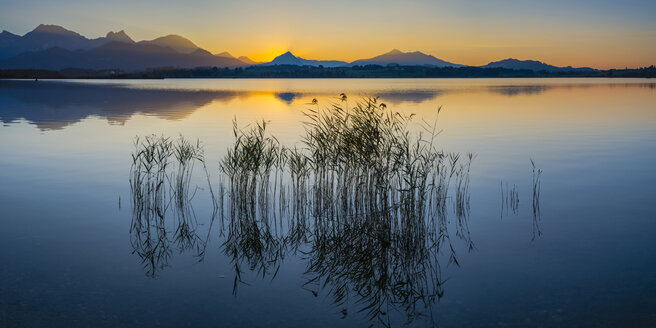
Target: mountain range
53 47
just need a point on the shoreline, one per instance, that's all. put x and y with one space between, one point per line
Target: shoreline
311 72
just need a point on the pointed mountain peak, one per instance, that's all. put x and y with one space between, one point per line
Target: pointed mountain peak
287 59
119 36
395 52
286 56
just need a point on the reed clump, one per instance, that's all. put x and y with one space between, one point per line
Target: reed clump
248 165
367 194
351 161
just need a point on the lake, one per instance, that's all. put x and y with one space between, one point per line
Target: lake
566 242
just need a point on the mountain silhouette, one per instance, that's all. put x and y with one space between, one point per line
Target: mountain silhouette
393 57
247 60
225 54
7 36
119 36
533 65
289 59
44 37
405 58
54 47
117 55
174 42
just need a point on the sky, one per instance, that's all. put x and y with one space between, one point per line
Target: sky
601 34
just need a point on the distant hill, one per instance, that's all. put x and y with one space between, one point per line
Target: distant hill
405 58
117 55
533 65
174 42
247 60
224 54
289 59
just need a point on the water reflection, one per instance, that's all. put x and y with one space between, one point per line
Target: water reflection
413 96
594 146
536 200
160 177
54 105
510 200
288 97
514 90
364 203
538 88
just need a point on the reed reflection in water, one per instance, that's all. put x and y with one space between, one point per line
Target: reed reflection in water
155 186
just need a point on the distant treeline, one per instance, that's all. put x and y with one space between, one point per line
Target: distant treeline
290 71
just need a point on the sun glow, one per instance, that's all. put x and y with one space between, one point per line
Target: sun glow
269 52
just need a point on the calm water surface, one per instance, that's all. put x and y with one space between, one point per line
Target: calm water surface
586 259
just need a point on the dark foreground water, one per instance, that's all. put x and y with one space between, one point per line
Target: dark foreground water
70 256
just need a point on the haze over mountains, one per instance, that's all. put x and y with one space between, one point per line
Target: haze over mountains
53 47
